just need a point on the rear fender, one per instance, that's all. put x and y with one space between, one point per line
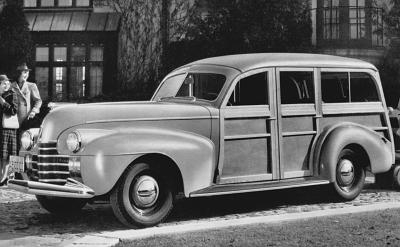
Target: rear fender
377 148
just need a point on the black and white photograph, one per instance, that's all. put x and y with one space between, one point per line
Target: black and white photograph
199 123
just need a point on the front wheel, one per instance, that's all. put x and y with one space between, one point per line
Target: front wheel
61 205
350 175
143 197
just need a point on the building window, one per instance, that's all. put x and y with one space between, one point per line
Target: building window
96 54
42 81
59 83
78 54
47 3
60 54
82 3
64 3
30 3
96 80
72 72
42 54
77 82
357 19
331 19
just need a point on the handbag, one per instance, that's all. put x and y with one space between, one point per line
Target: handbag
10 121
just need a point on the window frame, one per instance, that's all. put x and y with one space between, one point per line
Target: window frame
68 63
270 108
353 107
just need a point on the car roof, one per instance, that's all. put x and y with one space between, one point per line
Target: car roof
245 62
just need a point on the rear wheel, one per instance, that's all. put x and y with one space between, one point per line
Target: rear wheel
350 175
61 205
143 197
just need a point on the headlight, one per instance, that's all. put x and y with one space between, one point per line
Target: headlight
27 140
74 141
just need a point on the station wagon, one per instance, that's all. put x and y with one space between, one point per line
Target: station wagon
217 126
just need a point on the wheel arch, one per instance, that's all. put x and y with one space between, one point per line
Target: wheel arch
166 165
375 150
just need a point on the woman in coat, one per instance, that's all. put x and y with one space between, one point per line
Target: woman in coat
8 138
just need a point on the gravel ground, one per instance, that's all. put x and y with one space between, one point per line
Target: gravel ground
21 215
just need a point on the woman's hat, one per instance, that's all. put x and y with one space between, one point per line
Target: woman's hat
23 67
3 78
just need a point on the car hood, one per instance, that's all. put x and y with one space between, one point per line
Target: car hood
64 117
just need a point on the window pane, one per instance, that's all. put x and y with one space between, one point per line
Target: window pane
297 87
96 80
335 87
42 81
78 54
252 90
60 54
96 54
170 86
59 83
42 54
204 86
47 3
29 3
77 82
82 2
64 2
362 88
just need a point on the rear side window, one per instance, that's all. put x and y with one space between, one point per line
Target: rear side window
252 90
362 88
341 87
335 87
297 87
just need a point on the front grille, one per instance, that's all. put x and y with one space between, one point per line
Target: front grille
50 167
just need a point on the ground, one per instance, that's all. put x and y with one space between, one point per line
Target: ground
21 215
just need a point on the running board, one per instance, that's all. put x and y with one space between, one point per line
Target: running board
227 189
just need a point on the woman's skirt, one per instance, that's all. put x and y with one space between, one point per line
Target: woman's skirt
9 143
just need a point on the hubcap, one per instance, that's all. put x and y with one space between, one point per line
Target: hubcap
346 172
145 191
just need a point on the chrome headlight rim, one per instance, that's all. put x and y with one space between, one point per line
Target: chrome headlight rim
27 140
74 141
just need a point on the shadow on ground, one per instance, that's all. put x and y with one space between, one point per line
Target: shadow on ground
28 218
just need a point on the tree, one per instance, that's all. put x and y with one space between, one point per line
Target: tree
390 67
143 38
244 26
15 40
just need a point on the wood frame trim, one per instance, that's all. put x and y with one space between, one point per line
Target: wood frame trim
232 112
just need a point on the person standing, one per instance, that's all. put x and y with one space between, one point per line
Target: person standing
8 107
29 100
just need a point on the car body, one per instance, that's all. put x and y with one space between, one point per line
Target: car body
222 125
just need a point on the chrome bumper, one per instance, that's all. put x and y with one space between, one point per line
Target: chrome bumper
72 189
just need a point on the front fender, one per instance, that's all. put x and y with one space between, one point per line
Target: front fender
113 151
377 148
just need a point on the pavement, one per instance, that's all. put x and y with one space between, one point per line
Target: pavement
24 223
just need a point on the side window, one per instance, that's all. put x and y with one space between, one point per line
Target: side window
252 90
297 87
362 88
335 87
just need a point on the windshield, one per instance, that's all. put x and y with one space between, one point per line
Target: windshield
204 86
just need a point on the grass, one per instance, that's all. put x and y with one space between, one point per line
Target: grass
379 228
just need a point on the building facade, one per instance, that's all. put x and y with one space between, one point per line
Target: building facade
351 28
75 46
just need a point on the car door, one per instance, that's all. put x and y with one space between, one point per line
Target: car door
248 129
297 120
